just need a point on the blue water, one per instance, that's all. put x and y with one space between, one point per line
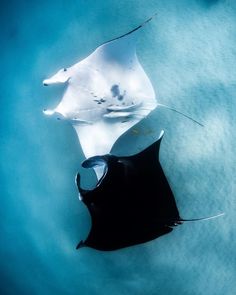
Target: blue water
189 54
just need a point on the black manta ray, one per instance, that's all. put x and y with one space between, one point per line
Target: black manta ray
132 203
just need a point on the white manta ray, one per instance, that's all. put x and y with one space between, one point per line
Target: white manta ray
107 93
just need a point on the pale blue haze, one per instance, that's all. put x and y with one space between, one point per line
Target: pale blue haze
189 53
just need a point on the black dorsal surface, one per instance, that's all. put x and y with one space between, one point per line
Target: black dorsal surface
132 203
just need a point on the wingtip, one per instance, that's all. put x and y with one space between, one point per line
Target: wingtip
150 18
81 244
147 20
161 134
132 31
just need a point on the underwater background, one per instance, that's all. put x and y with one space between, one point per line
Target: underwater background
189 54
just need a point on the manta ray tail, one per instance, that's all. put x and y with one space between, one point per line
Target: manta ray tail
174 110
203 218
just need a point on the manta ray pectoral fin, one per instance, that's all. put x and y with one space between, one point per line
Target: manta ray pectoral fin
174 110
121 49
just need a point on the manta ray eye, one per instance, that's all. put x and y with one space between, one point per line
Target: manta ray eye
65 69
